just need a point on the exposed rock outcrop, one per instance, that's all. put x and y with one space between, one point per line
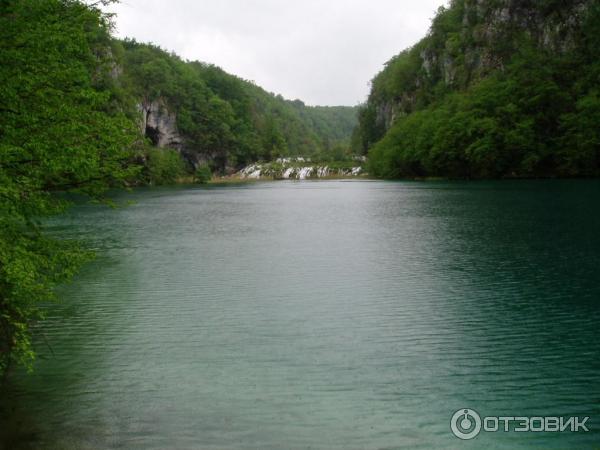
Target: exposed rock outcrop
483 43
160 125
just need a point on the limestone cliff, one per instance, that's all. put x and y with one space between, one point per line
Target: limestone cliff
467 41
160 125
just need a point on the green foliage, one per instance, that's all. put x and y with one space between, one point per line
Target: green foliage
579 145
203 174
60 131
400 75
369 130
226 119
536 115
336 153
163 166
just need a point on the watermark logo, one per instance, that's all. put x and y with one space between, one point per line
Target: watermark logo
467 424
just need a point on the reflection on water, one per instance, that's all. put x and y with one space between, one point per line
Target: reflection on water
321 315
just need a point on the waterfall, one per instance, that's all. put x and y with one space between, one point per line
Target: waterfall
323 172
304 172
297 169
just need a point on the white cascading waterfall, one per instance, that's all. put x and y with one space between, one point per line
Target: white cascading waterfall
296 169
304 173
322 172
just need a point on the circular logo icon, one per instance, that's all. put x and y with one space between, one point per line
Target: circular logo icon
466 424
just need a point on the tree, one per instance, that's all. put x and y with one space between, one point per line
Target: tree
203 174
60 131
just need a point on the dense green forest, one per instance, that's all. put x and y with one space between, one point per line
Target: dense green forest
62 129
499 88
73 102
224 120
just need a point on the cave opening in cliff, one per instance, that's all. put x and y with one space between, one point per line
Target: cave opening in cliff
153 134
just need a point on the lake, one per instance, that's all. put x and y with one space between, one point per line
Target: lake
326 314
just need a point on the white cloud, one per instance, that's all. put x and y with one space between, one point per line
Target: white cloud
321 51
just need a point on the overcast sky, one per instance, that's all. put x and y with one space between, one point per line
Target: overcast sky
323 52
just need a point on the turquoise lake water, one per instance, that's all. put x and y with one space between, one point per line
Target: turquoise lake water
320 315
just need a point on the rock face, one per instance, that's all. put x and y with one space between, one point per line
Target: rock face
481 45
552 25
160 125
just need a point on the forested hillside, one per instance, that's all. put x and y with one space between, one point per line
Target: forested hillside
498 88
221 119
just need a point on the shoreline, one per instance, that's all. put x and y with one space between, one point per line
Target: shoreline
234 179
